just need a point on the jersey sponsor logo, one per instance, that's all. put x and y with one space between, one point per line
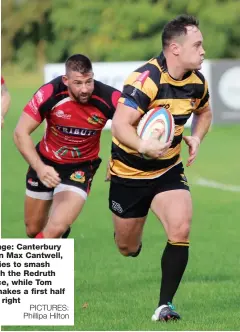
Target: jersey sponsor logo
78 176
33 183
61 114
75 152
76 131
166 106
63 150
95 119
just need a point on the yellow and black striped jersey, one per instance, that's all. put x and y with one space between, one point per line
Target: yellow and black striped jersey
148 87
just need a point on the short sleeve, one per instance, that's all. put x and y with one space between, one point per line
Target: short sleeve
38 105
114 101
204 100
141 88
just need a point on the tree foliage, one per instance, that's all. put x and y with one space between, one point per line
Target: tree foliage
34 32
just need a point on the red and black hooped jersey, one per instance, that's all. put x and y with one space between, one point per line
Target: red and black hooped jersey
73 129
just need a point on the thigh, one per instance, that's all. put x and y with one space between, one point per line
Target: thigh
128 231
172 203
35 214
174 209
69 197
130 205
38 200
66 207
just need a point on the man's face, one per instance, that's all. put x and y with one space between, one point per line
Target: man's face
190 47
80 86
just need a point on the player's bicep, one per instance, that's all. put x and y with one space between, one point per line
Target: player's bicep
206 113
26 124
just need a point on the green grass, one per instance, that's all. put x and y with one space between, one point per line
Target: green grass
122 293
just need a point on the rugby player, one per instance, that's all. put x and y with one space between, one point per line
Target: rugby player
62 165
171 80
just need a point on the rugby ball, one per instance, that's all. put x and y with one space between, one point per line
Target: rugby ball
157 119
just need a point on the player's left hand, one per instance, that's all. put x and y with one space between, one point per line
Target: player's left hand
193 143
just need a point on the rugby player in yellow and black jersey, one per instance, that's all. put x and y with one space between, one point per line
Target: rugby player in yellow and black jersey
171 80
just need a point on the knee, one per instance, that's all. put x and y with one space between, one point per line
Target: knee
180 233
32 231
123 249
129 250
34 225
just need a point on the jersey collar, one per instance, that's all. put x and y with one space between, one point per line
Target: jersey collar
163 64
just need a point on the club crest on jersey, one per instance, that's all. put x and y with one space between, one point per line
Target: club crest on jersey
78 176
95 119
73 131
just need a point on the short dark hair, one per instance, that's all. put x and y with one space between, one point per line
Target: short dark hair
79 63
177 27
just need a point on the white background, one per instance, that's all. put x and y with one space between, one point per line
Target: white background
64 278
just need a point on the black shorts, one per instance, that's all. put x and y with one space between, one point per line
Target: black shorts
78 176
130 198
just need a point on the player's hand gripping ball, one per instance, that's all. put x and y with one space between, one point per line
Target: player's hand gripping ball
159 120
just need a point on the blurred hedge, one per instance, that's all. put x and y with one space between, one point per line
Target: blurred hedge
35 32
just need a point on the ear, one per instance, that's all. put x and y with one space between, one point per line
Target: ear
65 80
174 48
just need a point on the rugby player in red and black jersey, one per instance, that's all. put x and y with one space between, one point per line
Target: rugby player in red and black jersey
76 108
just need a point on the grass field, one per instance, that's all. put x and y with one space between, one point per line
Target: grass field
122 293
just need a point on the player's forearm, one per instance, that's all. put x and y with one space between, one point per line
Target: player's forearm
126 134
6 100
201 124
26 147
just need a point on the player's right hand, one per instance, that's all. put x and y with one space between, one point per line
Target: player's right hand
152 147
48 176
